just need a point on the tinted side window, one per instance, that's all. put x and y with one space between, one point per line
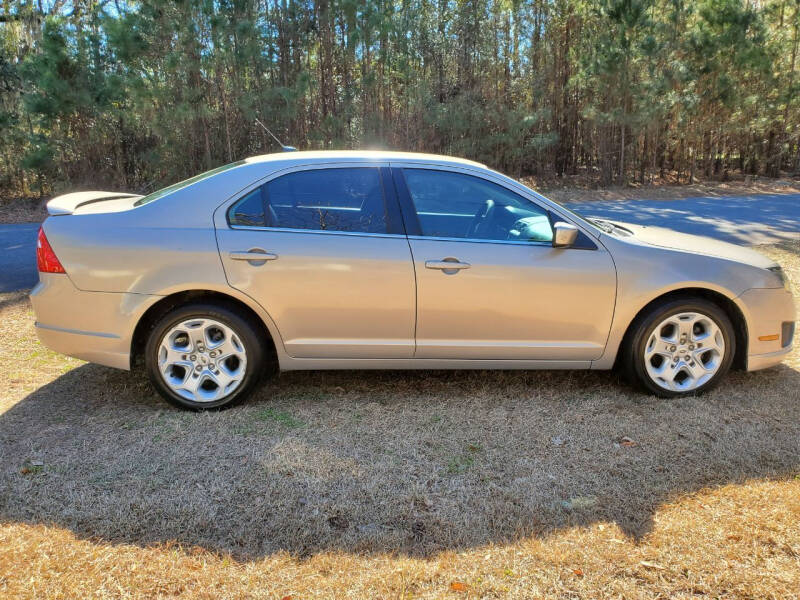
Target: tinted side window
455 205
349 199
249 211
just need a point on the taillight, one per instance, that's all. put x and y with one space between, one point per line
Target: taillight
46 259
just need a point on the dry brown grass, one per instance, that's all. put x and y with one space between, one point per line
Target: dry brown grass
22 210
395 485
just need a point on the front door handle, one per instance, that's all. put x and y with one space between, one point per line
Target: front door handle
447 264
255 256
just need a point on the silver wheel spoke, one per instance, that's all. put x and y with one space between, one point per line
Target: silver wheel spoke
171 356
685 328
698 371
230 347
222 379
684 351
710 342
202 359
669 372
192 385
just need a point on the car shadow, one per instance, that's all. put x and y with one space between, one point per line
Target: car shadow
398 462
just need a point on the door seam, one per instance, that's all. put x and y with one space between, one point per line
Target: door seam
411 253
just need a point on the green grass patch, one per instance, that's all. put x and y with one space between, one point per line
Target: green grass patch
281 417
460 464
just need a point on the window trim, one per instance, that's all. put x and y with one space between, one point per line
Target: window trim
392 213
318 231
560 213
393 189
482 241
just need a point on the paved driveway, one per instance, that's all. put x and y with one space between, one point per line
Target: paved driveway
760 219
744 220
18 256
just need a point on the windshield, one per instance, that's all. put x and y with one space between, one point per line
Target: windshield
186 182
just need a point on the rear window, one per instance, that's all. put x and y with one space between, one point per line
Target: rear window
186 182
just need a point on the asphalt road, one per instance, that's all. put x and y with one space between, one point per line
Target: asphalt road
18 256
743 220
747 220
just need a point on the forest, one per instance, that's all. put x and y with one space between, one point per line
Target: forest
133 95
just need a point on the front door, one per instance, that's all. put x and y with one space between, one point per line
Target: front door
323 252
489 283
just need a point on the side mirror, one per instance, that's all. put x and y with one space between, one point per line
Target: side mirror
564 234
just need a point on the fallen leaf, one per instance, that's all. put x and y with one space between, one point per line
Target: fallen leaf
651 565
457 586
287 598
578 572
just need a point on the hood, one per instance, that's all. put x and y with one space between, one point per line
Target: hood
673 240
90 202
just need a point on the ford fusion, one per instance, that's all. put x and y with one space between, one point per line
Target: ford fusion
379 260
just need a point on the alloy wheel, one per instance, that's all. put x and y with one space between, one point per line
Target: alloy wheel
202 359
684 351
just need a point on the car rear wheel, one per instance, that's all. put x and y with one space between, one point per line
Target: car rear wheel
202 356
680 347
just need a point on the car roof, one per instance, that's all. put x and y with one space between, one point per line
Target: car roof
347 155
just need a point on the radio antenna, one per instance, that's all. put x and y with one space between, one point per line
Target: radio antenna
274 137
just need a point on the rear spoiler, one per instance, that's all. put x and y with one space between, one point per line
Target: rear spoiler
67 204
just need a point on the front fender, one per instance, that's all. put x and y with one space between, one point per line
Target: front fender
646 273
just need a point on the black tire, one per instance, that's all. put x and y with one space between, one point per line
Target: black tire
247 331
633 357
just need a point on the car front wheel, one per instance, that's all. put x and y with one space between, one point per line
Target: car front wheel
680 347
203 356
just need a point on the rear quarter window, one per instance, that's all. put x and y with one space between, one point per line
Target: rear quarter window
249 211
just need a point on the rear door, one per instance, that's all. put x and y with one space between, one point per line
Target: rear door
322 249
490 285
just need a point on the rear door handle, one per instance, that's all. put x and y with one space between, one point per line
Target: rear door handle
448 264
255 256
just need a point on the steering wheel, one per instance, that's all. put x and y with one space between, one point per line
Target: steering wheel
483 215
